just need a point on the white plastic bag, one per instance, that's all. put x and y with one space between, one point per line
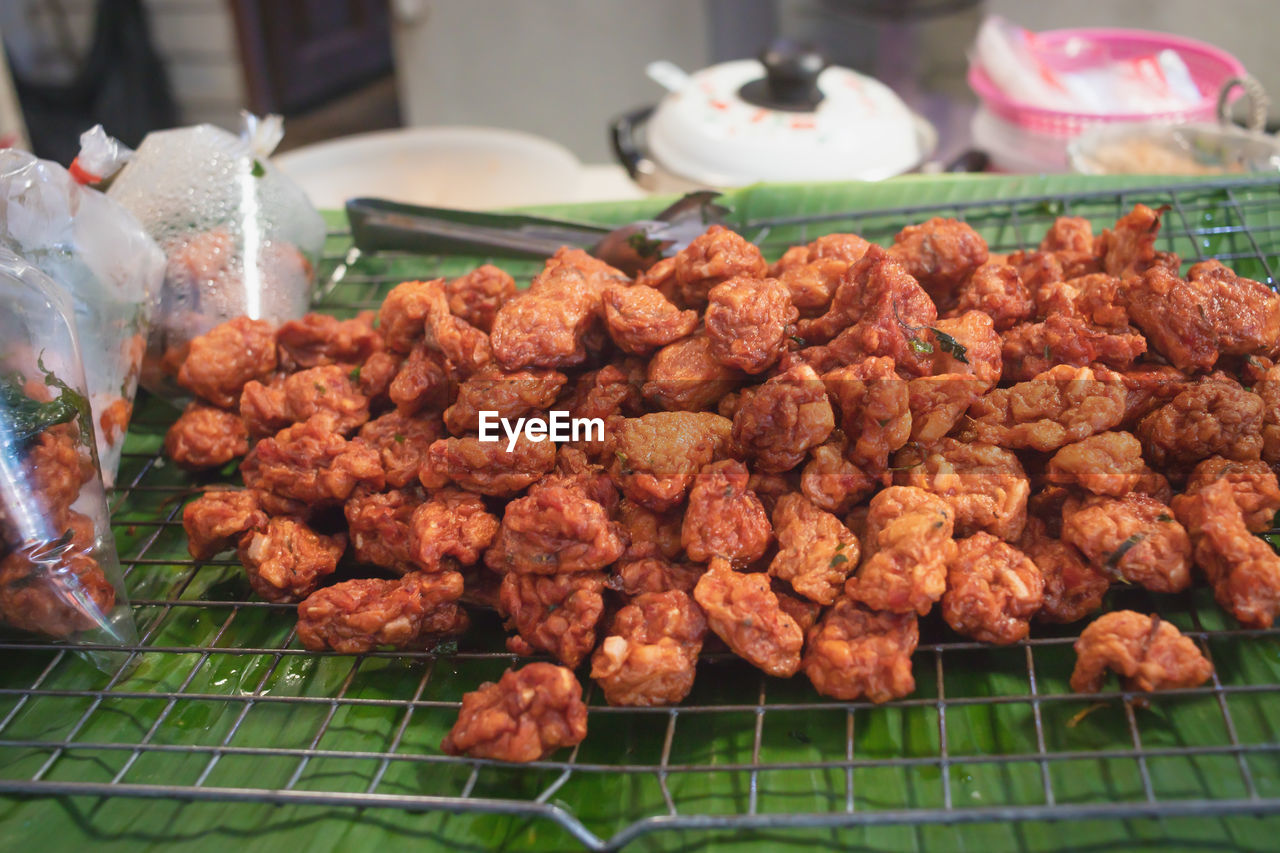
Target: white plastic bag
240 237
92 247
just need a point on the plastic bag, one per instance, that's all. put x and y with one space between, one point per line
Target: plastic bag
113 271
1082 76
59 574
240 237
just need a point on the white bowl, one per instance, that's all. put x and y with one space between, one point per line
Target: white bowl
475 168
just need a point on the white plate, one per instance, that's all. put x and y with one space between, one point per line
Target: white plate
475 168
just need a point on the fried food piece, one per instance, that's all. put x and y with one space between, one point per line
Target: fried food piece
724 518
221 361
641 320
984 485
655 574
511 395
747 322
308 462
403 314
328 392
997 291
1072 587
554 530
486 467
527 715
1147 653
574 470
993 590
556 614
744 612
778 422
973 332
940 253
1212 313
657 455
1214 417
415 316
1129 249
652 534
716 255
315 340
855 652
421 383
56 466
878 310
205 437
1135 538
874 406
1069 234
906 548
451 523
47 589
841 247
287 560
358 616
1062 339
1148 387
831 481
379 528
1060 406
686 377
811 285
1243 569
402 442
1253 485
651 652
1109 463
216 520
816 552
477 296
547 326
375 376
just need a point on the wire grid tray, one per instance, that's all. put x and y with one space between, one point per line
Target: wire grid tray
218 701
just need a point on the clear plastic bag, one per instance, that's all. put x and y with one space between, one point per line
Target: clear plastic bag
112 270
59 574
241 238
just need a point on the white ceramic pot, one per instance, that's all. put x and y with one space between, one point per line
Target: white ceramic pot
788 117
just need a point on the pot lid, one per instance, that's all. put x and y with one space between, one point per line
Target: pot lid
789 117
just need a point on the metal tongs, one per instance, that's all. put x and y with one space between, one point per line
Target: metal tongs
380 225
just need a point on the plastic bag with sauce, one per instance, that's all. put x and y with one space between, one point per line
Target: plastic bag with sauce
59 574
94 249
240 237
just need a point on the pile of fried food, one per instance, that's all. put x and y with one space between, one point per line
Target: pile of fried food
800 461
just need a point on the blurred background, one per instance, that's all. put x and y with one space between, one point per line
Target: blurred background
560 69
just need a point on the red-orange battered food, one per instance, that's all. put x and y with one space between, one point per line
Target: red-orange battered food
1060 406
716 255
477 296
318 339
816 552
287 560
906 549
831 481
358 616
553 530
1134 538
656 455
1147 653
378 525
205 437
997 291
686 377
984 485
222 360
855 652
748 321
724 518
778 422
402 442
744 612
487 467
940 253
215 521
650 654
527 715
1253 485
556 614
56 596
509 395
1212 417
993 590
875 406
1072 587
310 463
655 574
450 523
1109 463
1243 569
641 320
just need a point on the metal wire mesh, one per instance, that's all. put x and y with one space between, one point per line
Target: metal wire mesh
218 701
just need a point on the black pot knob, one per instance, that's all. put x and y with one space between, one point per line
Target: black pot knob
791 78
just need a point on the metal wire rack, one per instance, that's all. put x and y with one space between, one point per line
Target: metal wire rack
217 701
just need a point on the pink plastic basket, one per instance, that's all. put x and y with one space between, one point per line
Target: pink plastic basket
1210 67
